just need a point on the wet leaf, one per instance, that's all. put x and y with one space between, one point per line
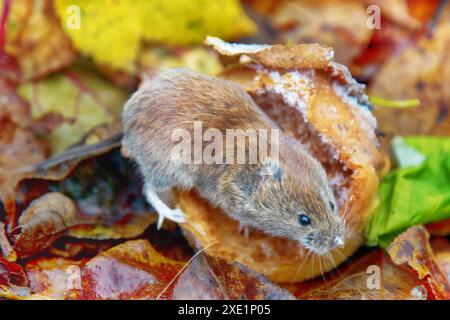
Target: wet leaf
132 270
56 278
208 278
372 276
412 248
135 270
45 219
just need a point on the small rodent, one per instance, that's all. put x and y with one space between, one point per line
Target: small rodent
294 202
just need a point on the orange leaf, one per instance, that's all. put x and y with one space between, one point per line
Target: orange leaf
412 248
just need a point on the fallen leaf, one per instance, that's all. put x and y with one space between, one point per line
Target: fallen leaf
135 270
45 219
418 192
19 293
132 270
339 24
197 58
118 44
20 141
397 11
107 191
441 249
418 69
412 248
6 249
209 278
35 39
98 199
371 276
81 97
56 278
11 274
440 228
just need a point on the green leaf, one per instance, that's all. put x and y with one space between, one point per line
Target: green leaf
406 155
413 194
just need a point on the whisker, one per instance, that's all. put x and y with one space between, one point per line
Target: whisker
347 205
320 267
183 268
341 255
334 264
302 264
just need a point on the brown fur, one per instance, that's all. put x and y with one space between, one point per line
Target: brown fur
178 97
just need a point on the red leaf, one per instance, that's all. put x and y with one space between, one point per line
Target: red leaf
132 270
209 278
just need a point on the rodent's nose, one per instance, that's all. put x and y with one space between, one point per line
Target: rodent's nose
337 242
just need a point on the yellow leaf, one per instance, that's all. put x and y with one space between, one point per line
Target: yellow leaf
199 59
188 22
78 95
110 31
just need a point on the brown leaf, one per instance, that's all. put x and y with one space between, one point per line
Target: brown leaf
351 282
279 56
418 69
397 11
54 277
132 270
340 24
21 142
412 248
441 249
36 40
440 228
5 246
106 195
209 278
45 219
18 144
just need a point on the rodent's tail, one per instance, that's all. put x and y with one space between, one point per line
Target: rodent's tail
79 152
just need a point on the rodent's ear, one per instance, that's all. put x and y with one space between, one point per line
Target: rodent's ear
249 179
252 177
272 170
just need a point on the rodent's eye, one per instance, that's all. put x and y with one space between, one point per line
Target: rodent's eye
304 220
332 206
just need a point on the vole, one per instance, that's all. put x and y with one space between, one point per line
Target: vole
294 201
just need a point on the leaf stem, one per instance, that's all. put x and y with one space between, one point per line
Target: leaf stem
400 104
